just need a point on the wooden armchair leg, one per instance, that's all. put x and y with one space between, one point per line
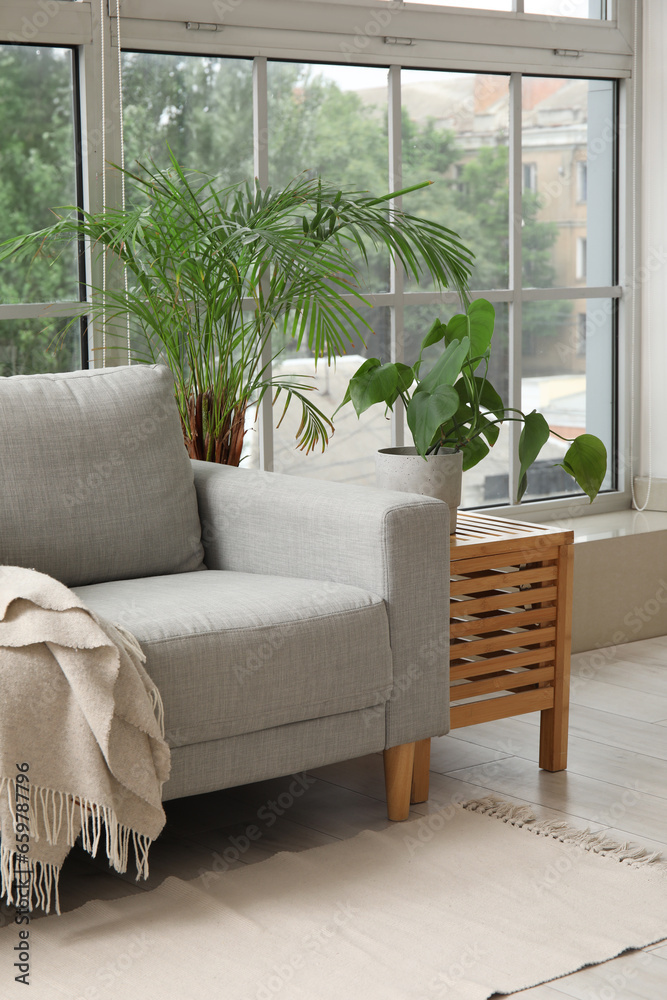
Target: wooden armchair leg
398 769
420 771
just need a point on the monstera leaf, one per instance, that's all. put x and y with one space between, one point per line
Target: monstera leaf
456 407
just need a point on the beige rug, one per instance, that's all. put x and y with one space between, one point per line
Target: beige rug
458 904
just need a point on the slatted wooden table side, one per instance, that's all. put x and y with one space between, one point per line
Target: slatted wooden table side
511 625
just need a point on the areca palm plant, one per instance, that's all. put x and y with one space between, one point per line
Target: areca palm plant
213 272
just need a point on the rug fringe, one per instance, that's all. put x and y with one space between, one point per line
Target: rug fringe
599 843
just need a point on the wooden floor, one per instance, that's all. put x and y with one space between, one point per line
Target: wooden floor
616 781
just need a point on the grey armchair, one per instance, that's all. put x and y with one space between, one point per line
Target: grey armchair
288 623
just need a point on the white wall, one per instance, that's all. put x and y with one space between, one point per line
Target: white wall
652 275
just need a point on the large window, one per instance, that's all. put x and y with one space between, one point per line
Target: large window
531 170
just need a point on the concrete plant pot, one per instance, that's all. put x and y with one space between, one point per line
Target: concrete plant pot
436 476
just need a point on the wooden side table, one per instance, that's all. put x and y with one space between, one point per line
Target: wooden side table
511 626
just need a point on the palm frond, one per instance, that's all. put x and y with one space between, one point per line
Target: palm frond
197 254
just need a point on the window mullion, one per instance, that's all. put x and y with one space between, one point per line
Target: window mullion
77 105
260 115
397 277
515 275
100 147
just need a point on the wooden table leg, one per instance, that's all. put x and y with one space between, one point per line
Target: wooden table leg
420 771
554 721
398 768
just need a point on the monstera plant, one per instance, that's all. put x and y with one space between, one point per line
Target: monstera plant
453 406
213 272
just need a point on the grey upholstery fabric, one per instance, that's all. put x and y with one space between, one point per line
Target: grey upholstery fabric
205 767
235 653
319 630
96 483
393 544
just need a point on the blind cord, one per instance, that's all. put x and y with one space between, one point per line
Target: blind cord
122 164
104 182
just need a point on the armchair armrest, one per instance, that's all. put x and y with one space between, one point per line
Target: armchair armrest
395 545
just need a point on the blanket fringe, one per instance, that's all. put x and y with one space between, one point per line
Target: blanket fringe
28 884
599 843
158 708
52 806
129 641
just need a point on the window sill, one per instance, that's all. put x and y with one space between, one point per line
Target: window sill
564 510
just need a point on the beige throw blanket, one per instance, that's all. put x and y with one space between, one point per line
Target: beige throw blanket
81 748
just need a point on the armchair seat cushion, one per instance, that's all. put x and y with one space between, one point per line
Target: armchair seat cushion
233 653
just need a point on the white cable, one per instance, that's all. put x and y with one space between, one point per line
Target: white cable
646 342
104 183
122 161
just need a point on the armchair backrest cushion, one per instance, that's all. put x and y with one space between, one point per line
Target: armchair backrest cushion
95 482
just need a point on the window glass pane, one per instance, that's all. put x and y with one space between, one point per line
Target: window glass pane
331 121
37 166
199 106
567 8
568 182
32 346
455 129
250 450
567 376
350 455
488 482
328 120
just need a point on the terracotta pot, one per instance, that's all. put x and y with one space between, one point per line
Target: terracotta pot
436 476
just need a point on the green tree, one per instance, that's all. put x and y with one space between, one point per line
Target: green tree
200 107
316 128
37 173
471 195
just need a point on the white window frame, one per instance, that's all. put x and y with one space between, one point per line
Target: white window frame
373 33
